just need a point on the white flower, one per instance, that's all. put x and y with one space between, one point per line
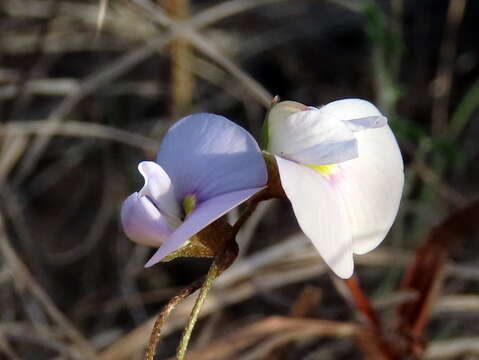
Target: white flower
341 168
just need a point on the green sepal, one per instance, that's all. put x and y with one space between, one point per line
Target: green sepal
264 142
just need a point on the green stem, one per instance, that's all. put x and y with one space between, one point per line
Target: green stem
251 207
163 316
213 273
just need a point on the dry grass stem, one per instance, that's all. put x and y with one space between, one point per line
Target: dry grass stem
108 73
443 81
275 325
458 348
77 129
182 81
23 275
101 15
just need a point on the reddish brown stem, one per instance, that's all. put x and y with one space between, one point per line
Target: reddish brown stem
362 303
377 346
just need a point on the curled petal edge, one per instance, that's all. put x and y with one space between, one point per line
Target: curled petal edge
159 189
142 222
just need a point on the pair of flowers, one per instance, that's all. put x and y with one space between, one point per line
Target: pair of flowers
339 165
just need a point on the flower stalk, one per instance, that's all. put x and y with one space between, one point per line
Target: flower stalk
220 263
213 273
165 313
225 257
362 303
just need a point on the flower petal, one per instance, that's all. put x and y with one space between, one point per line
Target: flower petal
320 213
142 222
202 216
279 113
372 187
159 189
208 155
368 122
311 137
373 182
350 109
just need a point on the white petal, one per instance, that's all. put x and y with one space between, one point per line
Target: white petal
372 187
159 189
368 122
278 113
349 109
320 213
143 222
311 137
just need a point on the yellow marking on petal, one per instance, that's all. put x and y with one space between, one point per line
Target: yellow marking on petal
325 170
189 204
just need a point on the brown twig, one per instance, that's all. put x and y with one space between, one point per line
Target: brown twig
163 316
426 274
182 81
23 275
372 340
362 303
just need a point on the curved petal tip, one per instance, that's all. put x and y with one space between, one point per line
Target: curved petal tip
142 222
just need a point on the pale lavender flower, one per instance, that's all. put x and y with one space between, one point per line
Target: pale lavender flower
206 166
341 168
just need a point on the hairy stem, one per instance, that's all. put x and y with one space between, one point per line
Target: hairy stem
213 273
221 262
163 316
226 255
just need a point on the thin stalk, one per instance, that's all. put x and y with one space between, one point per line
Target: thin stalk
213 273
383 349
164 314
182 81
250 208
362 303
221 262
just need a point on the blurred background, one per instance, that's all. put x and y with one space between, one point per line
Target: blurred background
88 88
